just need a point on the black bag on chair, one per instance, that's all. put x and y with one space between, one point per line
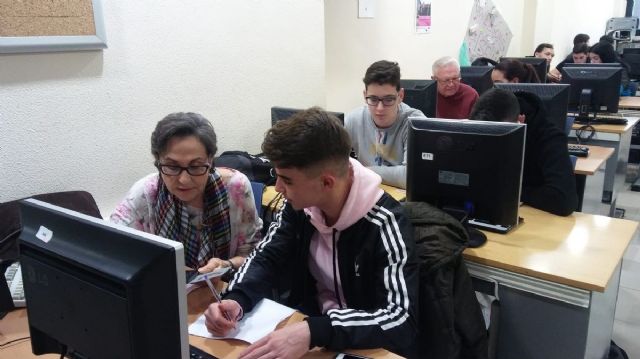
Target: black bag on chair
257 168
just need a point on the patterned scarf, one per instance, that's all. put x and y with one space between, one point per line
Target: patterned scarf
213 239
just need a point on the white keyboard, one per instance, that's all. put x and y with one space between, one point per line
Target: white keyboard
13 274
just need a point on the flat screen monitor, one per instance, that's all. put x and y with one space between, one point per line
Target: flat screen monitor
421 95
99 290
283 113
478 77
555 98
539 64
593 89
470 166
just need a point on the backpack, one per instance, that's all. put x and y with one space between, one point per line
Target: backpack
257 168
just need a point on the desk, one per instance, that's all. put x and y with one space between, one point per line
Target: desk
612 136
587 166
557 280
629 103
15 325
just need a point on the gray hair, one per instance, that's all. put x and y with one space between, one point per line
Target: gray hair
444 61
183 124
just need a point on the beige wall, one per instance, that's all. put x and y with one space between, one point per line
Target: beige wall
352 44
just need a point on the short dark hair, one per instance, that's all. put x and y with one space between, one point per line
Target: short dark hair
182 124
607 38
543 46
580 38
307 139
525 73
383 72
497 105
580 48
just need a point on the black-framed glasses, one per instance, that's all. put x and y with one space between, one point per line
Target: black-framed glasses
175 170
386 101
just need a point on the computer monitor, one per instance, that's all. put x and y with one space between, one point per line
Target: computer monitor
593 89
100 290
470 166
421 95
555 98
478 77
283 113
539 64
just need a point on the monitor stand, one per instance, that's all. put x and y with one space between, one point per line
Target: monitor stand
583 107
476 238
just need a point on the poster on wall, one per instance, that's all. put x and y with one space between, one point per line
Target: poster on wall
423 16
488 34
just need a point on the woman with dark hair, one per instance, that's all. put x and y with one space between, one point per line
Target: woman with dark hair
210 210
514 71
604 53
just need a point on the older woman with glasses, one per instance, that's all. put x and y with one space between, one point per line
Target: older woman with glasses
209 210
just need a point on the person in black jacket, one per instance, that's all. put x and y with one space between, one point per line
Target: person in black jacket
341 245
548 182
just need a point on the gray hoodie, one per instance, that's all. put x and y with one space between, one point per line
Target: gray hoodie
383 150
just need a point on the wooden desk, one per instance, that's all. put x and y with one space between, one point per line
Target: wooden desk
557 280
15 326
629 102
613 136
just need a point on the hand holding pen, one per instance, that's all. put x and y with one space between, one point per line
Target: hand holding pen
229 309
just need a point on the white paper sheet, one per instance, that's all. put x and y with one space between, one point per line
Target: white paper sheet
261 321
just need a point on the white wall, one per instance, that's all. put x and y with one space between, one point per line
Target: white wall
83 120
352 44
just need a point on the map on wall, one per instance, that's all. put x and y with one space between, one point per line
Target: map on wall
488 35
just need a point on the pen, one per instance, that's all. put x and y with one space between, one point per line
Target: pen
218 299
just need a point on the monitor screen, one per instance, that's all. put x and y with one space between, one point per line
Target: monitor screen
478 77
421 95
283 113
593 89
100 290
470 166
555 98
539 64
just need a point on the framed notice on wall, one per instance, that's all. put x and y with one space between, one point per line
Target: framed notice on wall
423 16
51 25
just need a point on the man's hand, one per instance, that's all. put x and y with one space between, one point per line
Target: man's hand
215 319
290 342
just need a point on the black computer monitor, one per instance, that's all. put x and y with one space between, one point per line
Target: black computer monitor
539 64
478 77
283 113
593 89
421 95
555 98
100 290
470 166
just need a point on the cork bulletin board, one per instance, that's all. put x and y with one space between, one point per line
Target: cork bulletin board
51 25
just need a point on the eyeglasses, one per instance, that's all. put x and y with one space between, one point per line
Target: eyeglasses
449 81
173 170
386 101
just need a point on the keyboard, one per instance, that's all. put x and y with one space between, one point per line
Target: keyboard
196 353
603 119
13 275
578 150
